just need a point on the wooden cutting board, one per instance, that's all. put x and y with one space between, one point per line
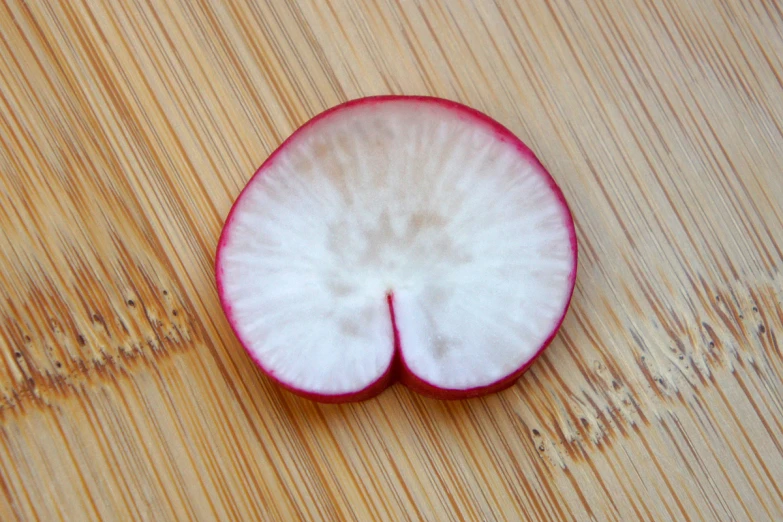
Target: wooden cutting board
128 128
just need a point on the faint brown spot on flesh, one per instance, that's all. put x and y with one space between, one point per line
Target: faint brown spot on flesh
436 296
324 145
325 159
383 236
422 219
440 346
382 233
338 288
349 327
366 315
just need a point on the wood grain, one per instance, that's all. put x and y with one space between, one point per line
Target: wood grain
128 128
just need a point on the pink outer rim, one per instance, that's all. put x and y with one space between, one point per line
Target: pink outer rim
398 370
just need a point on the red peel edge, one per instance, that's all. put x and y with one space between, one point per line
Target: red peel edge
398 370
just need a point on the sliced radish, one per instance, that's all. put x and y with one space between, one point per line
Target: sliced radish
397 238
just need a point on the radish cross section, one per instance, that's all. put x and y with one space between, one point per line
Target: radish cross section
397 238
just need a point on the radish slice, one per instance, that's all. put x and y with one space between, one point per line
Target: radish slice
397 238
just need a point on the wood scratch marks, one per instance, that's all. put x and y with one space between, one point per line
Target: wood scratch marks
128 130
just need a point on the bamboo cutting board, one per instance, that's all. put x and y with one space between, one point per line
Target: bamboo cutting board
128 128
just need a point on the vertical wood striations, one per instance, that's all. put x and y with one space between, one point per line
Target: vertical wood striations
129 128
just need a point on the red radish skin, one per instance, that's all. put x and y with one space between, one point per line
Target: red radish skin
398 369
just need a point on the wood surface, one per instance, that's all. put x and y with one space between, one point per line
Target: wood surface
128 128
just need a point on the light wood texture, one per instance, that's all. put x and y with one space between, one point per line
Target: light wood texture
128 128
